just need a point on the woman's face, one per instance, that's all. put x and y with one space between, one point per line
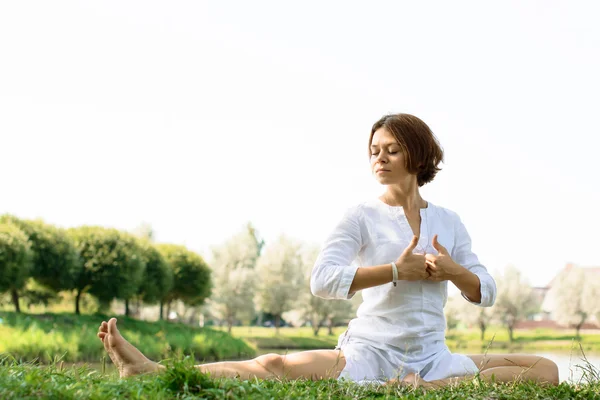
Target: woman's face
388 162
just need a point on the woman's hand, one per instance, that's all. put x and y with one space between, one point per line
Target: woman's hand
441 267
412 267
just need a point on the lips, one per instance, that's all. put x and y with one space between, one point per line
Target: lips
382 170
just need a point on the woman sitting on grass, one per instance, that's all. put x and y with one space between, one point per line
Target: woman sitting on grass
407 251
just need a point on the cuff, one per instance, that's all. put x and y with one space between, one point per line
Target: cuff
343 291
487 289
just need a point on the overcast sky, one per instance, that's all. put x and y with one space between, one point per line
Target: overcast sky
196 117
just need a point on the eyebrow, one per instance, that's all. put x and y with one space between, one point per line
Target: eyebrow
384 144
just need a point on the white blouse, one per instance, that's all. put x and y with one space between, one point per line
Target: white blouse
408 316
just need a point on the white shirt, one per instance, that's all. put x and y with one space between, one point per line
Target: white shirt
410 316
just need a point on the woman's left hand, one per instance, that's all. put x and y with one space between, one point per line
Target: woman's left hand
441 267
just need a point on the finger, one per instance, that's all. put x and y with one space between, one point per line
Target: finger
441 249
411 245
430 257
431 265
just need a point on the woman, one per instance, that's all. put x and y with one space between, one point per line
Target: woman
407 251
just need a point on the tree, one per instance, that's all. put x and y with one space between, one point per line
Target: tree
280 278
234 275
112 264
591 292
453 311
565 299
158 275
471 314
191 276
15 260
515 299
315 309
55 258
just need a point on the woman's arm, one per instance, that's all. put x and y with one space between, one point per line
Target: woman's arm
476 284
334 277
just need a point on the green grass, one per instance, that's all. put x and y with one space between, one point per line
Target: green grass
288 338
182 381
496 339
73 338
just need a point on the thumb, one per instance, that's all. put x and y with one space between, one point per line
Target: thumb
112 326
440 249
411 245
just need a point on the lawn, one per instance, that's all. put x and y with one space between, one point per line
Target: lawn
73 338
181 380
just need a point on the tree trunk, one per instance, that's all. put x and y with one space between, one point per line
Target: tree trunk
330 326
277 322
510 333
127 310
577 329
316 327
15 299
77 301
482 327
229 324
161 310
168 309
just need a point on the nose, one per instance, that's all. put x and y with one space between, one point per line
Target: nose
381 158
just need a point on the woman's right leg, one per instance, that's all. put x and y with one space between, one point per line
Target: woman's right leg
316 364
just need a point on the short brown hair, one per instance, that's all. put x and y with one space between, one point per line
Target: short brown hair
420 146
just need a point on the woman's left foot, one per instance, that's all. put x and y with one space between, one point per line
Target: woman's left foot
128 359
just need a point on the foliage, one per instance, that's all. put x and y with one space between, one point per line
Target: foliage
566 300
55 259
112 262
315 309
281 277
191 275
234 275
15 259
515 300
158 275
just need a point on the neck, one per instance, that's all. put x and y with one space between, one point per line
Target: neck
407 196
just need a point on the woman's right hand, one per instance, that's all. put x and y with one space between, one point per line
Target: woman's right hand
412 267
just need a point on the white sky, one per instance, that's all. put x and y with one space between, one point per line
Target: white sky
197 117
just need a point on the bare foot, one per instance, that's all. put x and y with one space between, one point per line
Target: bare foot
129 360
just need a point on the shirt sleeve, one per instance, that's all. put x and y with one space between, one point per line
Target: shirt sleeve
463 255
333 271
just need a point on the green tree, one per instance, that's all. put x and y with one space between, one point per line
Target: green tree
15 260
191 276
158 277
112 264
515 300
234 276
280 276
315 309
55 258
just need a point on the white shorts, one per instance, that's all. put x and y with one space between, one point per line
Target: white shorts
368 364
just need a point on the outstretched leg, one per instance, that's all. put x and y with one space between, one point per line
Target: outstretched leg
512 367
315 364
499 368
